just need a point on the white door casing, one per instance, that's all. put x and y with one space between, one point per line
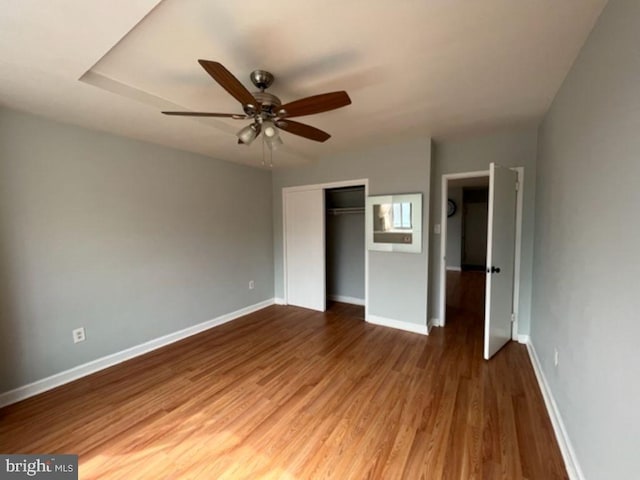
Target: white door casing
501 242
305 248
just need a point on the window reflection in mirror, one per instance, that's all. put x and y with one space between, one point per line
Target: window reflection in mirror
392 223
390 217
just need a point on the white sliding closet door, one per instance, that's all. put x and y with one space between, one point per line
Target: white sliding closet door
304 229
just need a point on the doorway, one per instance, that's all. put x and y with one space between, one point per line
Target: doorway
501 231
466 251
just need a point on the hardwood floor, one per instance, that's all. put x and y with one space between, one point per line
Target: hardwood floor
289 393
465 294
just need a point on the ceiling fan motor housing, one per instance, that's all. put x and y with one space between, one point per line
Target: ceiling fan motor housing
270 104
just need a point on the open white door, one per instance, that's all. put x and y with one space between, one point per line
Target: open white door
500 258
304 248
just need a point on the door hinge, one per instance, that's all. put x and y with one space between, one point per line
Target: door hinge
517 186
513 318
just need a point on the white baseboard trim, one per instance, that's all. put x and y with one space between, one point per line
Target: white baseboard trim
566 448
279 301
434 322
398 324
454 269
39 386
345 299
524 339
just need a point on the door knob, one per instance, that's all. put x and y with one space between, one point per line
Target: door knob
493 270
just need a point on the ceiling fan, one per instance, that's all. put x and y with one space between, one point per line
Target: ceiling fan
268 113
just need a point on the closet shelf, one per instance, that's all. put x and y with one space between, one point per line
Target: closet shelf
345 210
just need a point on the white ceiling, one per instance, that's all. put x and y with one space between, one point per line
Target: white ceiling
412 67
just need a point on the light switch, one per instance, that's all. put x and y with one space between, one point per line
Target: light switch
436 229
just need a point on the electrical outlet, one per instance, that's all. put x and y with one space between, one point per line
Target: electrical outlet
251 285
78 335
556 357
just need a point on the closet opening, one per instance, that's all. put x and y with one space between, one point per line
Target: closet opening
345 250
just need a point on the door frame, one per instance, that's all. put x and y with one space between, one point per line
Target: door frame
323 186
442 277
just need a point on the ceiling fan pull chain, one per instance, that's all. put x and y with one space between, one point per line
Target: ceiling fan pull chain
263 163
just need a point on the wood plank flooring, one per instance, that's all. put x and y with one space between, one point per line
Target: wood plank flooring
286 393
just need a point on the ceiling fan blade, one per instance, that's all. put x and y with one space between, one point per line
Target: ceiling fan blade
303 130
315 104
235 116
230 83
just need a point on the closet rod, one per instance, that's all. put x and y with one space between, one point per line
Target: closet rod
346 189
345 210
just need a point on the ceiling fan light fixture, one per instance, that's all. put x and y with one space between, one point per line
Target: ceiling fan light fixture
269 130
248 134
274 143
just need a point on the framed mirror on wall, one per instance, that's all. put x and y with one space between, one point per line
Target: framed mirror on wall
394 223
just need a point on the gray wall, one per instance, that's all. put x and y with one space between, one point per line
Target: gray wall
397 281
586 301
345 255
510 148
130 240
454 230
345 246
